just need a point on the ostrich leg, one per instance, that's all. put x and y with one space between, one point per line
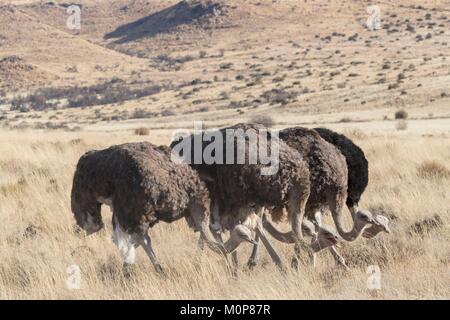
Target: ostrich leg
270 249
146 243
339 259
235 259
253 260
125 243
273 254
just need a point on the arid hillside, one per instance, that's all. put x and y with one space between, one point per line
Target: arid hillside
301 62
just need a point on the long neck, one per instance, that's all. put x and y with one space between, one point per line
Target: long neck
286 237
315 246
208 237
352 234
231 244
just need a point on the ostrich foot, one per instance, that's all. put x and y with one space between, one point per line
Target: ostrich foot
251 264
160 271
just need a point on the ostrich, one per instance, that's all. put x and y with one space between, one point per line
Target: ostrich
358 176
142 186
239 189
328 176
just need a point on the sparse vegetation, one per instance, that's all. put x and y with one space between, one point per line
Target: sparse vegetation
265 120
165 62
401 114
114 91
432 169
281 96
141 131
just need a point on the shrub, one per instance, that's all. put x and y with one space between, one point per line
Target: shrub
281 96
141 131
401 114
265 120
225 66
432 169
165 62
141 113
427 225
167 113
113 91
346 119
224 95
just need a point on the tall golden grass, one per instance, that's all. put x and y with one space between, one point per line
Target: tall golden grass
38 240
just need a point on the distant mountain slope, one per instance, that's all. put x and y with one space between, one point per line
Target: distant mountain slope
47 53
203 14
15 71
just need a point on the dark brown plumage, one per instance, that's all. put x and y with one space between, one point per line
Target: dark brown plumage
144 184
328 179
327 167
357 164
328 176
235 186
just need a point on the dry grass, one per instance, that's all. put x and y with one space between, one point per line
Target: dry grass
433 169
401 124
38 240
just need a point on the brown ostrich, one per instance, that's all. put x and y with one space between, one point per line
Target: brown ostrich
239 189
142 186
358 176
328 176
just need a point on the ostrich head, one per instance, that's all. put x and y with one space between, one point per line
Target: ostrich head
362 218
92 223
381 224
325 238
241 233
88 217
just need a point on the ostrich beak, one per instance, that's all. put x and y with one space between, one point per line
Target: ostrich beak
90 231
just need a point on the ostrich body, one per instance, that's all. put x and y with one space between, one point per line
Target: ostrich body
328 177
357 165
238 190
142 186
358 176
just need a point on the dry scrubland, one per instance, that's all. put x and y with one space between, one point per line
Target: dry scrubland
38 239
140 69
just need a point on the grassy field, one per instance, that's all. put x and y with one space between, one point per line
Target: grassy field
409 182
